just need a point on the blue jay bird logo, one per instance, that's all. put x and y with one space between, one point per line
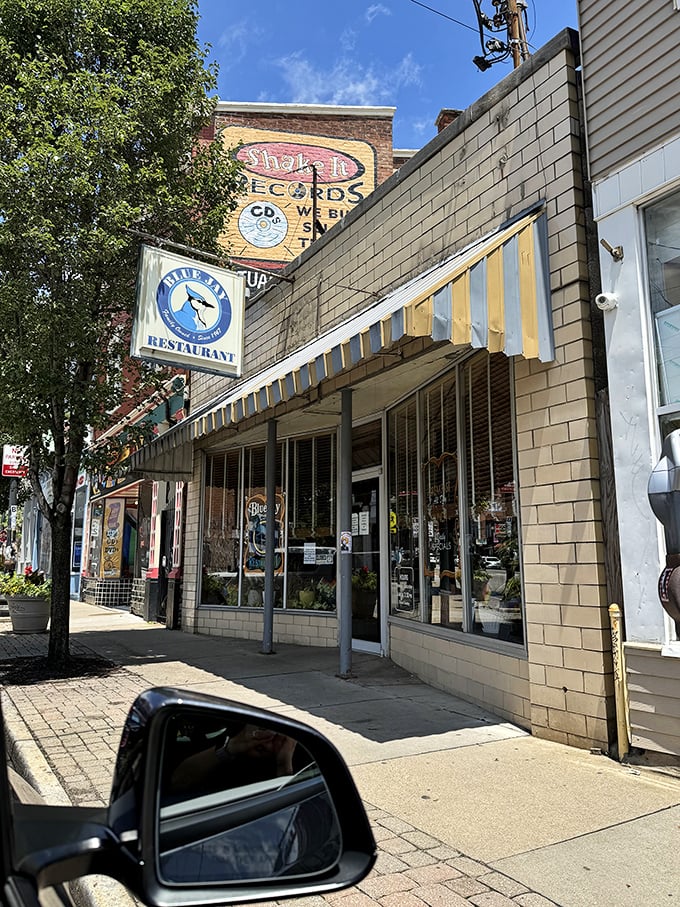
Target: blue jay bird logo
194 305
194 314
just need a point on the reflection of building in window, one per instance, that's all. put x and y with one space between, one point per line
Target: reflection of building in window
662 224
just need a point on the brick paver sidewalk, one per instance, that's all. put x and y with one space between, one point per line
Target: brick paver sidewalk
77 725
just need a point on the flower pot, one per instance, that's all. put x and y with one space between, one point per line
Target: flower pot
480 590
363 603
306 597
29 613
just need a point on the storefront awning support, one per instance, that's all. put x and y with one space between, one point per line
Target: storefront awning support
345 547
270 541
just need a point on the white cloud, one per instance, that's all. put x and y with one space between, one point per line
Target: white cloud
233 43
348 39
422 126
346 81
376 9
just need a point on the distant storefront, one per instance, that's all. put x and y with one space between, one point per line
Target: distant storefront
115 534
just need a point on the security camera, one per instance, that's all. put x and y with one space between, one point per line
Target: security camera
606 301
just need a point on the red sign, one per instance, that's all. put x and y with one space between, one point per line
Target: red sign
13 461
296 161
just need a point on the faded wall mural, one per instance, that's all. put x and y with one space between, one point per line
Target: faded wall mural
291 181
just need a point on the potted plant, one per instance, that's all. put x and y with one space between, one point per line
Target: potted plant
29 599
306 597
212 589
512 592
364 592
325 595
480 584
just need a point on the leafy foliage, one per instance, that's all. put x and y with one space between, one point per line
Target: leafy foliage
103 101
31 586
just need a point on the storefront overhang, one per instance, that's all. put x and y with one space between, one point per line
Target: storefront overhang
492 295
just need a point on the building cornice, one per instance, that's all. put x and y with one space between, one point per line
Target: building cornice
302 109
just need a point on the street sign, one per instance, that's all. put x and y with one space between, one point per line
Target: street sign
13 461
13 516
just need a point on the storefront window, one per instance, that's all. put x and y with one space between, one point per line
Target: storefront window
662 226
312 497
367 445
493 552
441 506
404 520
221 529
256 525
235 526
78 522
144 524
469 536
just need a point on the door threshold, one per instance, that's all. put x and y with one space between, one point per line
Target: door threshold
362 645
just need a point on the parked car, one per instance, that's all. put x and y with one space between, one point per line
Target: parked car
212 802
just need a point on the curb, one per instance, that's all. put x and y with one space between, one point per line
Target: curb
31 764
28 758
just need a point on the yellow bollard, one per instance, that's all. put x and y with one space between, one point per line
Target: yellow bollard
620 683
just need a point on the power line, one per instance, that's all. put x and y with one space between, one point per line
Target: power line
444 15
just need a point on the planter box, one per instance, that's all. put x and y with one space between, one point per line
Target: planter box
28 613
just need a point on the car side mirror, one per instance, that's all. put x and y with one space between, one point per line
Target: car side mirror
214 801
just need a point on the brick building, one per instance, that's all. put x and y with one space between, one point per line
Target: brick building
305 167
426 389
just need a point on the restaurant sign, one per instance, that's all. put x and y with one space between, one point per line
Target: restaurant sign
188 314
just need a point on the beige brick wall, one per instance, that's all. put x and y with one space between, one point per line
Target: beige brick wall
289 627
495 681
517 146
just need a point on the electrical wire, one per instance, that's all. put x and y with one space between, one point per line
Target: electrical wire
444 15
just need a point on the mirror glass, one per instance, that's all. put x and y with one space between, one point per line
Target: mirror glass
240 801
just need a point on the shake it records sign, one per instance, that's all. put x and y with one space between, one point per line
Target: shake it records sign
188 314
288 179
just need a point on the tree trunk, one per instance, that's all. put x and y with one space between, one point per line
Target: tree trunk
58 651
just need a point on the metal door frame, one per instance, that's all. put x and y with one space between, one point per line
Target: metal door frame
362 645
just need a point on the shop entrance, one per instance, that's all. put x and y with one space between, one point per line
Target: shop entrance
366 561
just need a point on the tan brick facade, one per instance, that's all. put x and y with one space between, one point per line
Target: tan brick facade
517 146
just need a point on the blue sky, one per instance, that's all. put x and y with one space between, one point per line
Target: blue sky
393 53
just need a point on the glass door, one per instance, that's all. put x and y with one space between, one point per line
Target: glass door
366 509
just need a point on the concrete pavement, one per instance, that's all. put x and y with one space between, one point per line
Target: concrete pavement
467 809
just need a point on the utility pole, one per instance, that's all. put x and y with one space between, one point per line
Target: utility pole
516 35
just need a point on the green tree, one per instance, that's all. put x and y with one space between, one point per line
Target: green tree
102 104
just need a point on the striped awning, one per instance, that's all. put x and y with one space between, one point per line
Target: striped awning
494 295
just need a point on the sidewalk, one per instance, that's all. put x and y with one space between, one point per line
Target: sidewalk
467 809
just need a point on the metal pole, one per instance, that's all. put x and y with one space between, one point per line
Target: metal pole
345 514
620 686
12 521
270 541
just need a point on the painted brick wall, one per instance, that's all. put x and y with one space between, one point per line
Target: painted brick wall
376 130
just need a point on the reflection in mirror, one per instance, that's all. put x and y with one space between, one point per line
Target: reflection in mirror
240 801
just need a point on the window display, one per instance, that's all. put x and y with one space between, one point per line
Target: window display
235 526
404 529
457 430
